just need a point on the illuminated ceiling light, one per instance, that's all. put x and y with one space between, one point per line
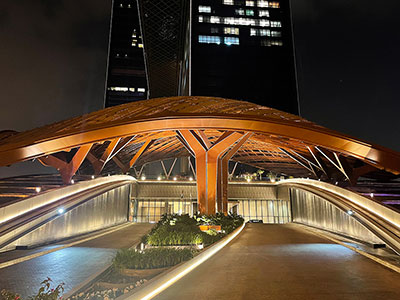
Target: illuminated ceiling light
350 212
60 210
38 189
190 178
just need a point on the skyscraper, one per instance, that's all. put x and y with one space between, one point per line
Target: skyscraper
244 50
226 48
126 77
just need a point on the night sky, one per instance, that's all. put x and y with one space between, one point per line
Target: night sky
53 61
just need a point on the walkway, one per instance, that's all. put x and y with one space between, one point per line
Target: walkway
285 262
70 265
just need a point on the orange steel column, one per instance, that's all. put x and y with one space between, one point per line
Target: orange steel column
207 165
224 165
67 170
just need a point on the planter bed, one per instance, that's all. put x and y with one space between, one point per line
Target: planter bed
121 278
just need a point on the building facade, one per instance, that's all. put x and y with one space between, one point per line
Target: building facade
126 76
224 48
244 50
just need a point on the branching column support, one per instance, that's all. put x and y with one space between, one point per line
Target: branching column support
67 169
207 164
222 199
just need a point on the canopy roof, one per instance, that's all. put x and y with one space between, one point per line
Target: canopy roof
280 142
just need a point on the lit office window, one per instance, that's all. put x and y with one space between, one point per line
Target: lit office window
231 30
231 40
140 45
121 5
119 89
239 11
215 19
263 13
269 43
276 43
200 19
266 43
249 12
240 21
249 3
275 24
141 90
131 89
129 6
264 23
204 9
274 4
209 39
214 29
260 32
262 3
276 33
228 2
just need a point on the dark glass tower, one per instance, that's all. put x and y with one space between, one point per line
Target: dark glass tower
244 50
234 49
126 76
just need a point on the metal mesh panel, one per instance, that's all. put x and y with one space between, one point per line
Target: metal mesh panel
164 26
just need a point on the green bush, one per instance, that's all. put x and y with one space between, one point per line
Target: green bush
150 258
176 230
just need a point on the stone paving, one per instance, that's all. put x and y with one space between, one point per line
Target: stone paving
284 262
70 265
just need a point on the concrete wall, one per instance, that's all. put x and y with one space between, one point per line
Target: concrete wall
313 210
187 190
105 210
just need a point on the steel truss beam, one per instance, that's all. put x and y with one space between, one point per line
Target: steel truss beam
168 174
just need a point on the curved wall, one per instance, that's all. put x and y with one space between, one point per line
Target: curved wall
312 210
105 210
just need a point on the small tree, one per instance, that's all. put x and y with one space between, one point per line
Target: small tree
260 172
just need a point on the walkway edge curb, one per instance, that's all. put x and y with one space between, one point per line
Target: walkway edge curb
164 281
363 253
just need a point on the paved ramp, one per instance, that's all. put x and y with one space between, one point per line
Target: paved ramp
70 265
285 262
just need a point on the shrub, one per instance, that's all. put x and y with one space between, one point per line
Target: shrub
45 292
176 230
150 258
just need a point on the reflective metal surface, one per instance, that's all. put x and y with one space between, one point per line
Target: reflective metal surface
315 211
